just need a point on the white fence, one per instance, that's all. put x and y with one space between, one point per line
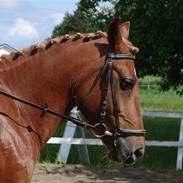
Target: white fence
68 139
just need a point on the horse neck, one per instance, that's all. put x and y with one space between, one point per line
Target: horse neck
50 76
40 78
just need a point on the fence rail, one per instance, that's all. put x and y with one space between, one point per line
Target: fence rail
81 141
163 114
179 144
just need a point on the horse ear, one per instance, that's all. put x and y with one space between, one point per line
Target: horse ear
125 29
113 32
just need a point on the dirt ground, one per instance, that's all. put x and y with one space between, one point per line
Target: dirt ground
80 174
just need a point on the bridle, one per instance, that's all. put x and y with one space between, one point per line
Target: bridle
101 125
107 69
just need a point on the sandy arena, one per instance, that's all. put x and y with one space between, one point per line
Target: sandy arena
80 174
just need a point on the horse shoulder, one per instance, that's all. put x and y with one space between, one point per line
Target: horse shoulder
15 152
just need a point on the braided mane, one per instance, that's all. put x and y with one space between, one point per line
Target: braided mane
46 44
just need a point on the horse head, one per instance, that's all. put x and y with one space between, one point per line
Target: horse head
109 97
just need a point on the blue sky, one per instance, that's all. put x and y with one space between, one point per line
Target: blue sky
26 22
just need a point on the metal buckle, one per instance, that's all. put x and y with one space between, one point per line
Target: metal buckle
118 132
103 113
44 110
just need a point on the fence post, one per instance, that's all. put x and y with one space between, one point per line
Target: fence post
82 149
180 149
69 132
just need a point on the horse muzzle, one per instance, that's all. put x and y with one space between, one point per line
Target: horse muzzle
126 150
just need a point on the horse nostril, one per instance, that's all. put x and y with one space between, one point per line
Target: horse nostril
139 152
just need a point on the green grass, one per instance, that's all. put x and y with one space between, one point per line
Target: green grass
149 81
154 99
155 157
158 129
49 153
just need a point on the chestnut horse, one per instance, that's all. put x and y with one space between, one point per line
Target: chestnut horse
63 72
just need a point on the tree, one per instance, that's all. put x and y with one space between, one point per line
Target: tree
156 28
70 25
89 17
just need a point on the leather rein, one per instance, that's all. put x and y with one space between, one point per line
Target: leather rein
101 125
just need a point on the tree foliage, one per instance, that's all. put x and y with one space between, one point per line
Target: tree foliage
71 24
89 17
157 30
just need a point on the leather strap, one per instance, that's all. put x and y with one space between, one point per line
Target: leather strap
121 56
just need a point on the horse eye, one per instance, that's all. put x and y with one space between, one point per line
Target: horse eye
126 83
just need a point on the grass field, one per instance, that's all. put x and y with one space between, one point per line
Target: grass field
158 129
155 157
154 99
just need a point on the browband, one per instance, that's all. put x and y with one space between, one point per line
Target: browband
121 56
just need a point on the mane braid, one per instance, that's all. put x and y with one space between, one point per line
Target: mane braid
15 55
48 43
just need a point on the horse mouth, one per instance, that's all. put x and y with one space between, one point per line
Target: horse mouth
130 160
116 156
121 155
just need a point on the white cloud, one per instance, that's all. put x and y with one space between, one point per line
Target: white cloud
22 28
56 17
9 3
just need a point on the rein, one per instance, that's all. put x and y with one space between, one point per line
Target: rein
107 68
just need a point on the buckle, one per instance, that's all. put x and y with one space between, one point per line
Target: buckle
103 113
44 110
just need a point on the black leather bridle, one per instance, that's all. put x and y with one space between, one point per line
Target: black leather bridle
107 69
101 125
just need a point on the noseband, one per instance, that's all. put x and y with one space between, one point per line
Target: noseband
107 68
101 126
